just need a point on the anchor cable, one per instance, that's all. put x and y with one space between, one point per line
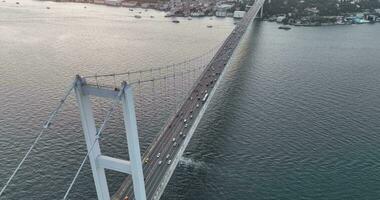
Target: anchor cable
45 126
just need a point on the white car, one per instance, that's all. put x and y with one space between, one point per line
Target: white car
173 139
160 162
180 133
175 144
185 125
169 162
197 105
184 121
167 156
158 155
191 116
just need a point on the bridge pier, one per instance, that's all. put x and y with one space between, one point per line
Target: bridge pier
98 161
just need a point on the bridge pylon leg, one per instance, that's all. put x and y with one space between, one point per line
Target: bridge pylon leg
133 143
101 162
89 129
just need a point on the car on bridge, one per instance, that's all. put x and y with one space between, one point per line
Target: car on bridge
205 97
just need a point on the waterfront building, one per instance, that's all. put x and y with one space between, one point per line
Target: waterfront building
239 14
360 15
129 3
221 10
113 2
221 13
164 6
145 5
280 18
230 14
98 1
197 14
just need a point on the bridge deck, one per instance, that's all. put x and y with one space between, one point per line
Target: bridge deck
157 170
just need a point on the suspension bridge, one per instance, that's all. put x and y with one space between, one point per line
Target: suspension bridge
149 174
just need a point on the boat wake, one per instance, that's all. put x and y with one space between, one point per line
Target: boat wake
188 162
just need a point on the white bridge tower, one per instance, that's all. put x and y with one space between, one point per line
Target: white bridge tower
101 162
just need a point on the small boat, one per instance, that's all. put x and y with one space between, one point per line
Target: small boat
285 27
17 2
47 7
209 26
85 7
151 16
175 21
169 15
137 16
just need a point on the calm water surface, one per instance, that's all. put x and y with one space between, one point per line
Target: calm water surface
295 118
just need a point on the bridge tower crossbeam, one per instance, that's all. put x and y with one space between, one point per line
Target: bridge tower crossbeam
101 162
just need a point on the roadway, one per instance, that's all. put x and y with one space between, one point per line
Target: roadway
164 149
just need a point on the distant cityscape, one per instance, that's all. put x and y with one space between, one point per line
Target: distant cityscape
182 8
292 12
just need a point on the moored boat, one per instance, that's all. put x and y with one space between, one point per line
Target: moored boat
285 27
